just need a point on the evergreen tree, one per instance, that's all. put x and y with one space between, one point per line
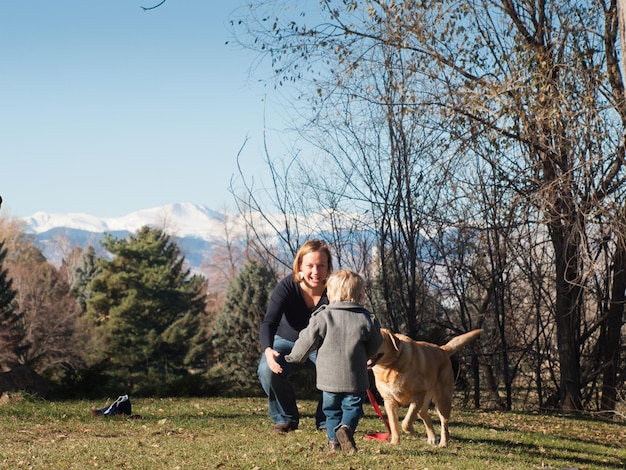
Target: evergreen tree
11 330
83 275
144 309
236 331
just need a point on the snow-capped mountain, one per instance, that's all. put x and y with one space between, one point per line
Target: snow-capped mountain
181 219
197 229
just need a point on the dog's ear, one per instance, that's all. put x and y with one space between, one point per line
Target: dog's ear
391 336
394 340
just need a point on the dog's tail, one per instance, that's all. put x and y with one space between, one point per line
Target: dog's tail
458 342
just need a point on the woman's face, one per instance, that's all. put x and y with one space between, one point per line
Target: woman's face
314 269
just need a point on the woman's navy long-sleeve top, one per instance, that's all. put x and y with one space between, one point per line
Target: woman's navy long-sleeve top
287 313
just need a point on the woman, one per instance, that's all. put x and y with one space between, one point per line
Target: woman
293 300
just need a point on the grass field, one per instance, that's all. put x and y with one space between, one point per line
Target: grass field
222 433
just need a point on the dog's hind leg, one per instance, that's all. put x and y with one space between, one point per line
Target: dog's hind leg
444 409
428 422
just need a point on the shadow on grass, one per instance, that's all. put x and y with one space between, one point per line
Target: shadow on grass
568 455
583 449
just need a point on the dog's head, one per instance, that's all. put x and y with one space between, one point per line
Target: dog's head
388 348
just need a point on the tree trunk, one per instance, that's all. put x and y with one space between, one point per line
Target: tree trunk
492 387
476 381
611 332
567 316
610 335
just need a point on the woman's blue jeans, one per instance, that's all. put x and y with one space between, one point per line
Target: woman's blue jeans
281 397
340 409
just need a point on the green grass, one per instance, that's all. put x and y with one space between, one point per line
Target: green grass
191 433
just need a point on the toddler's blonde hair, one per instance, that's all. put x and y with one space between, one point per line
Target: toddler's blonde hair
344 285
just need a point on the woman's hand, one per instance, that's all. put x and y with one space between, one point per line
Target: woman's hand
270 357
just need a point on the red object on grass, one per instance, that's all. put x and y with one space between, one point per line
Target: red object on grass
377 436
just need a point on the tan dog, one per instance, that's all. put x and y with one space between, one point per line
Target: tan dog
413 373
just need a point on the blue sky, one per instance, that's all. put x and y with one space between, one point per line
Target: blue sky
106 109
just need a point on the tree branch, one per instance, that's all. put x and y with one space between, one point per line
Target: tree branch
155 6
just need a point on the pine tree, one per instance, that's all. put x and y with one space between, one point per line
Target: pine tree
236 331
83 275
11 331
145 309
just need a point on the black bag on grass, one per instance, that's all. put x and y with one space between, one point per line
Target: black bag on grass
119 407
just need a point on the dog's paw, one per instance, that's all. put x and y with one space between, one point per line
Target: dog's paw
408 429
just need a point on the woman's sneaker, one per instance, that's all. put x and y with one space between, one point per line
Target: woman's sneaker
346 439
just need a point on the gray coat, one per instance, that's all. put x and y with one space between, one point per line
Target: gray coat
345 335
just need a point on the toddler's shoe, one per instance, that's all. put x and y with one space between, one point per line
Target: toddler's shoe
346 439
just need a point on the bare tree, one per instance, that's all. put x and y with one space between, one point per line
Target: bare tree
404 98
47 312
